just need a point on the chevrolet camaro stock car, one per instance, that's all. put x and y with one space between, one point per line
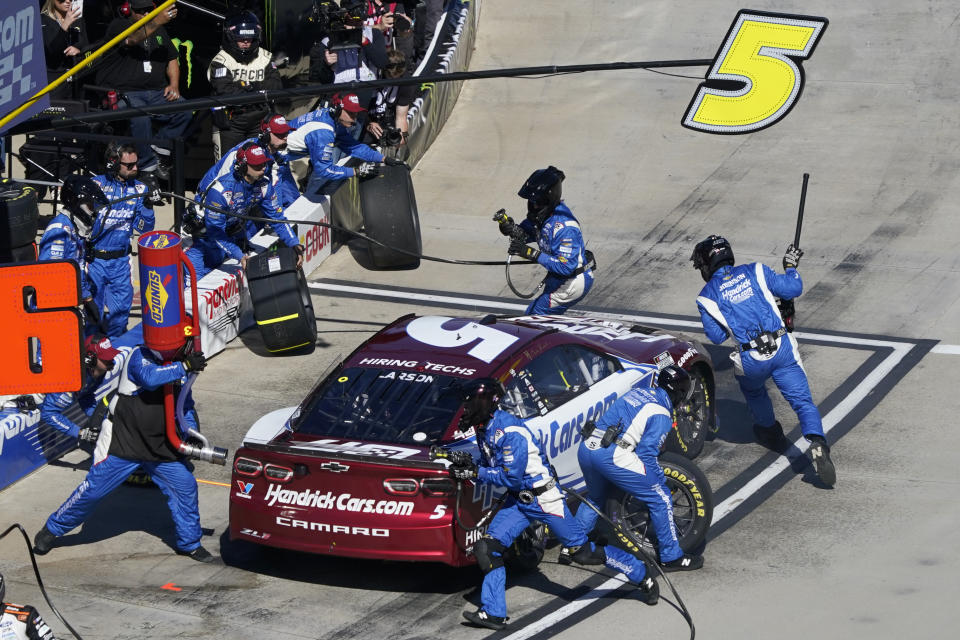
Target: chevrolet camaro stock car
349 471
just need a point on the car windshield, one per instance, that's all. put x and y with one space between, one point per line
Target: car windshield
383 405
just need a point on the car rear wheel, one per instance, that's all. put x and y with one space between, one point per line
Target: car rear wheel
694 418
692 506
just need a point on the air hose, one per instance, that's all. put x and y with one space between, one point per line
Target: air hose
36 572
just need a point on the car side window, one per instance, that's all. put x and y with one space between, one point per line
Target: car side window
556 377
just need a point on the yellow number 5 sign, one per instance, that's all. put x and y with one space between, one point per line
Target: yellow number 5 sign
756 76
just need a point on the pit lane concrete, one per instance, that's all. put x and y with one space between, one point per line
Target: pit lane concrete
877 130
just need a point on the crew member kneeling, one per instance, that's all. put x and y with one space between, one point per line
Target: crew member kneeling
511 457
244 191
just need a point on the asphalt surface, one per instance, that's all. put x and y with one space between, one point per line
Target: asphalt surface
876 128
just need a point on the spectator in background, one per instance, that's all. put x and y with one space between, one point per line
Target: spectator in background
427 16
322 132
241 66
64 38
332 64
145 69
392 20
392 104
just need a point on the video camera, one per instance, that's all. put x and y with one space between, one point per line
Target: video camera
391 136
329 20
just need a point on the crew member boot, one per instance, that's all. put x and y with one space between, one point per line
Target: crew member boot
822 464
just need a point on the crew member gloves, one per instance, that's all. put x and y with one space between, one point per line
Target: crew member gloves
194 361
792 257
392 162
519 248
366 170
463 473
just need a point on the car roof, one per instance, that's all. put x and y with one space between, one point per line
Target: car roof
473 347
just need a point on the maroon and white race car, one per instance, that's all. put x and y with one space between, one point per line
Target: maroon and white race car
349 471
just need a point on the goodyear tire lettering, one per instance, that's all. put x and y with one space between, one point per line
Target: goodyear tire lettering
763 53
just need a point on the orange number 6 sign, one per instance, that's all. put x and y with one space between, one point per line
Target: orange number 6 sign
41 328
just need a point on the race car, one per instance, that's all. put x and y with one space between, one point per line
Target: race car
349 472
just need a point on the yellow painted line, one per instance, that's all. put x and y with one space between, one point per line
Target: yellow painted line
219 484
280 319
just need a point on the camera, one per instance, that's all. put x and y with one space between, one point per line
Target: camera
330 21
391 136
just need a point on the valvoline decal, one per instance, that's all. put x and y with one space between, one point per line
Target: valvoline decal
564 436
156 284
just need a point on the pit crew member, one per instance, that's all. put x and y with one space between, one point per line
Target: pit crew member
244 191
561 251
739 302
274 130
135 438
320 133
99 357
626 457
110 236
511 458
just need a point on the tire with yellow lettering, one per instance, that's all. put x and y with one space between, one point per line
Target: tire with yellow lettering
693 418
390 216
692 506
526 552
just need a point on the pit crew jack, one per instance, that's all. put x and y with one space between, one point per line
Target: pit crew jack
511 458
110 241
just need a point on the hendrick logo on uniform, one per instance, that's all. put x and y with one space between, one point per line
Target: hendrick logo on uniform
22 66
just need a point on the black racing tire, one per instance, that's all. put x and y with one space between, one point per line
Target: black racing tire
694 419
19 215
389 208
692 506
526 552
282 307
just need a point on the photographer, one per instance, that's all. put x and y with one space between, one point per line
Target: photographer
351 51
389 109
392 19
241 66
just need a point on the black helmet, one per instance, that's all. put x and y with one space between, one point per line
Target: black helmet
676 382
242 26
711 254
542 193
83 198
480 399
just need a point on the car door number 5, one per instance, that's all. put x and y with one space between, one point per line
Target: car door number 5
429 330
761 54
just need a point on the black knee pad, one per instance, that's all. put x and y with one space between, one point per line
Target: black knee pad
484 551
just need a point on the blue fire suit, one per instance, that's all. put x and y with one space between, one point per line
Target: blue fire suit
55 404
110 238
511 458
136 439
739 302
562 255
318 135
62 241
644 418
278 171
225 233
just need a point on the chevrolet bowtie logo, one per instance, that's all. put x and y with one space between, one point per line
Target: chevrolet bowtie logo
336 467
